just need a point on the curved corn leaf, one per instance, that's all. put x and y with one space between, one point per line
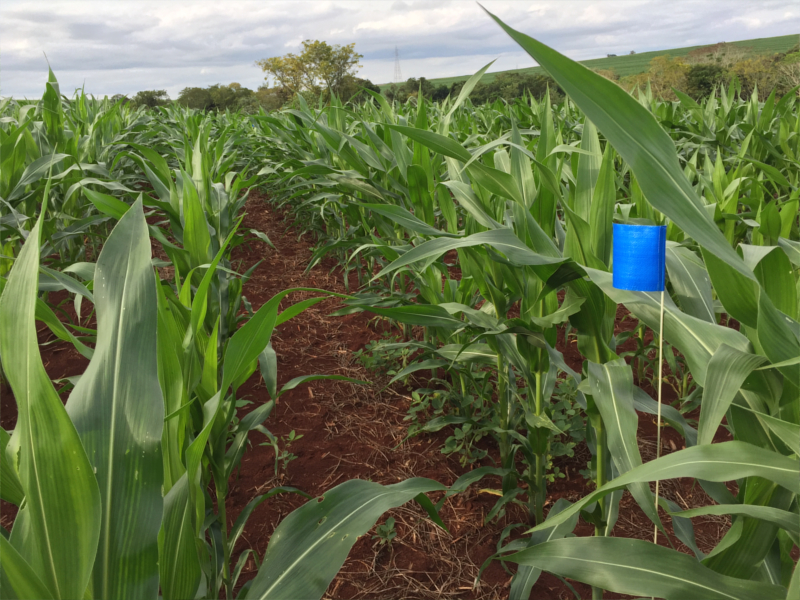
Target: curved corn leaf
782 518
310 545
118 409
727 370
779 335
62 498
10 486
712 462
18 580
179 564
636 567
612 391
689 279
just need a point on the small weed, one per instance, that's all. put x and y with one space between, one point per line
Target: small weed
385 533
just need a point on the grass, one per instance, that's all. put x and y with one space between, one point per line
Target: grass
631 64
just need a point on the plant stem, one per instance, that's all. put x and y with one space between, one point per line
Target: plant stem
536 506
600 481
505 449
221 489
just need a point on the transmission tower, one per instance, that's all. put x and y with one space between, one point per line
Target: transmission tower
398 76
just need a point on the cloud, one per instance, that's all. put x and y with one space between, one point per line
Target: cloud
126 46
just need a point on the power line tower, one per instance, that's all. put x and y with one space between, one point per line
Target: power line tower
398 76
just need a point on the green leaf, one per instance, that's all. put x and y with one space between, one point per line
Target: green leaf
782 518
405 219
640 568
196 237
62 498
612 391
503 240
108 205
601 212
689 279
10 486
310 545
290 385
727 370
179 564
252 338
118 409
588 170
779 335
725 461
17 577
639 139
738 294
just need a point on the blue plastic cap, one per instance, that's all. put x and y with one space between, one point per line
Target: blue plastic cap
639 257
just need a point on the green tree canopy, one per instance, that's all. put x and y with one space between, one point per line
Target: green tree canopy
151 98
319 69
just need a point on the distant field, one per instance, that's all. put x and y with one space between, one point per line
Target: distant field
630 64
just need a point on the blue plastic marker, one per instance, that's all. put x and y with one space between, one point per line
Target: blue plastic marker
639 264
639 257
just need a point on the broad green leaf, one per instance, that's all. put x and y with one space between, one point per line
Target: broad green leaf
784 519
171 379
61 494
503 240
779 335
640 568
118 409
300 380
775 274
179 565
727 370
792 250
18 580
689 279
402 217
34 172
612 391
738 294
108 205
310 545
639 139
423 315
725 461
588 170
601 212
10 486
196 237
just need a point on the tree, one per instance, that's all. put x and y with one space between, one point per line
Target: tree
214 97
702 79
318 70
195 97
150 98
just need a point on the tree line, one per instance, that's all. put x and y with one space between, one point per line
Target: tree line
322 69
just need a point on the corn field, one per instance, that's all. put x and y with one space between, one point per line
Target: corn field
482 234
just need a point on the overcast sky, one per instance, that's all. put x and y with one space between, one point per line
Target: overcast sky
126 46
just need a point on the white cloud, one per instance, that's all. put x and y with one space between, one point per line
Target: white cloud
126 46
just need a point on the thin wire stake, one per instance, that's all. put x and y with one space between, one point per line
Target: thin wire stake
658 425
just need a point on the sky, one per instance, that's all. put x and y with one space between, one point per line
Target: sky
126 46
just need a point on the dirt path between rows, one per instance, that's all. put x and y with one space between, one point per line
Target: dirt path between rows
352 432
